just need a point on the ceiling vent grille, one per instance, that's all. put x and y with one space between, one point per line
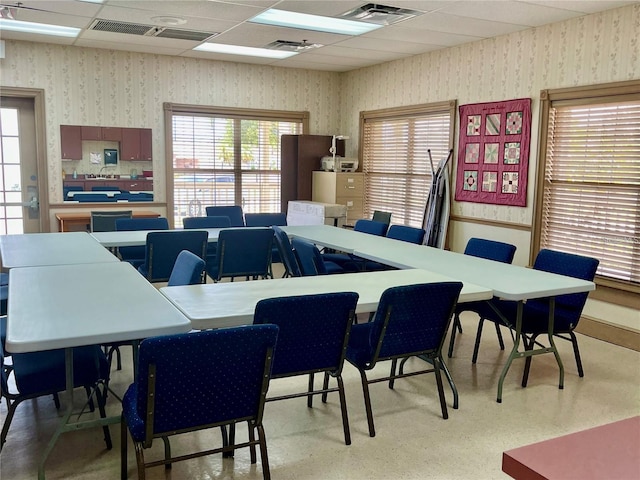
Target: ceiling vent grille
149 30
380 14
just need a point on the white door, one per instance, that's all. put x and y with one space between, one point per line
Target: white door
19 199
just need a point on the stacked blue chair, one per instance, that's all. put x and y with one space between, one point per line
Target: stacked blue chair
195 223
135 255
311 261
243 252
535 313
411 320
292 269
198 381
39 374
234 212
490 250
313 336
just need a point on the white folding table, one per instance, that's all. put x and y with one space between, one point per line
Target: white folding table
67 306
130 238
38 249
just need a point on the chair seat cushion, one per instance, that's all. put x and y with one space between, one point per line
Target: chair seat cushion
333 268
359 348
338 258
535 316
38 372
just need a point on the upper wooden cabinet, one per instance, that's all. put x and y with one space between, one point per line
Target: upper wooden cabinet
71 142
113 134
136 144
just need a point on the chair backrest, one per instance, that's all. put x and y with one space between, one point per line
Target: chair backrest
158 223
234 212
286 252
568 308
372 227
412 318
490 249
95 197
106 221
137 196
206 222
265 219
406 234
244 252
163 248
230 368
309 257
314 331
188 270
381 216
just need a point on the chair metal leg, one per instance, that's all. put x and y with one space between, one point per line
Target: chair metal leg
167 452
528 344
343 408
310 396
123 449
451 382
455 327
140 460
228 439
576 352
325 386
477 345
7 421
443 403
367 402
101 398
266 473
458 324
252 439
392 374
56 401
499 334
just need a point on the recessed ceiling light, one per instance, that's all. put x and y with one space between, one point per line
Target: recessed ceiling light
247 51
40 28
172 21
283 18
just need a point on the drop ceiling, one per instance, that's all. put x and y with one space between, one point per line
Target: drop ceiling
440 24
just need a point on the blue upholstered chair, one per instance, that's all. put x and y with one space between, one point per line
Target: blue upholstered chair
243 252
491 250
402 233
162 249
535 313
352 263
267 220
105 221
411 320
40 374
70 188
313 336
311 261
234 212
197 381
95 198
135 255
187 270
292 269
194 223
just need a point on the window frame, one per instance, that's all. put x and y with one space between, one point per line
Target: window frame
610 290
171 109
397 113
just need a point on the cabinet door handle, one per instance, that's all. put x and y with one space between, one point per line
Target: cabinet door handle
350 187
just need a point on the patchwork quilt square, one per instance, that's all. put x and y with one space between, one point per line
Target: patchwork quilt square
510 182
512 153
489 181
514 123
471 180
491 152
492 126
473 125
472 153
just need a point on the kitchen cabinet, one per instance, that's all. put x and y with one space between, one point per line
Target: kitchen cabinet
71 142
91 133
344 188
136 144
113 134
300 155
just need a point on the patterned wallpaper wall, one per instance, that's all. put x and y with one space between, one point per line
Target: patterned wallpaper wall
594 49
85 86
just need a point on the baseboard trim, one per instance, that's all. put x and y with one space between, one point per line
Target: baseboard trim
608 332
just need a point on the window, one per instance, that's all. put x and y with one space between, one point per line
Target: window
589 193
395 159
10 176
226 157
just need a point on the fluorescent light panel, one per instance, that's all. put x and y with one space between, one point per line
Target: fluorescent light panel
283 18
247 51
39 28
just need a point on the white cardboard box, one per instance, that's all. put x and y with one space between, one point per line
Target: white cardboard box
300 212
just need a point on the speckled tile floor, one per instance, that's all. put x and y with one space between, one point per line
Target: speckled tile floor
412 441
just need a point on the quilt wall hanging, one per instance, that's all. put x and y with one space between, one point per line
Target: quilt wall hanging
493 152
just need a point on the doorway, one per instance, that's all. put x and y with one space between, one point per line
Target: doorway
22 185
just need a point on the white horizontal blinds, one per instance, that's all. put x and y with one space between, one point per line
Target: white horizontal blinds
226 160
591 203
396 163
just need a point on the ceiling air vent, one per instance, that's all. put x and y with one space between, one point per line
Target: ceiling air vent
290 46
149 30
380 14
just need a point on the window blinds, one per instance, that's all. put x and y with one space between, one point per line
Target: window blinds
396 162
591 199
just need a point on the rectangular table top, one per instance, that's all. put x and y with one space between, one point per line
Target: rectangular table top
129 238
342 239
233 303
608 451
37 249
72 305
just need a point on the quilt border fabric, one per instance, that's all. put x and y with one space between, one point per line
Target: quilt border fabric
493 152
